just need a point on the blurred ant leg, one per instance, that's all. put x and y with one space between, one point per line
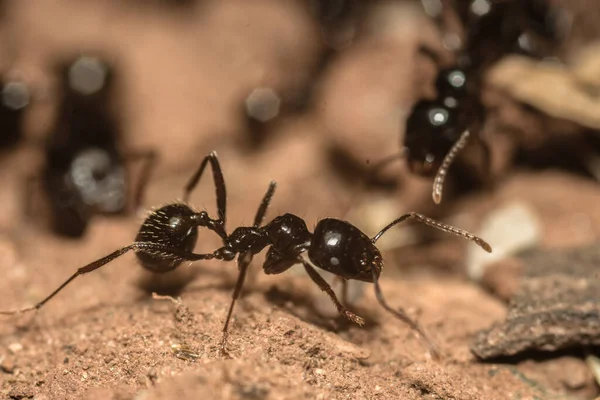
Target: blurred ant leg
149 159
324 286
137 246
219 181
264 205
437 225
401 314
440 177
244 260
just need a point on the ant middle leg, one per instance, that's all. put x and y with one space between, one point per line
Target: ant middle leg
264 204
244 261
324 286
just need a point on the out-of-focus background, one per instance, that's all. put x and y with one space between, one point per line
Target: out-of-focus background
311 94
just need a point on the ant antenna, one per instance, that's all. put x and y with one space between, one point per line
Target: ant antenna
401 314
437 225
440 176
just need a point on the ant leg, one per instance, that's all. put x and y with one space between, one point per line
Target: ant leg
401 314
219 184
262 209
437 225
440 177
81 271
149 158
243 262
137 246
324 286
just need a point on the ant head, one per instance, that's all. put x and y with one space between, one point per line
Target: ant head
431 131
342 249
172 226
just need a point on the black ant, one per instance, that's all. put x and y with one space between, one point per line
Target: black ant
168 236
437 130
85 170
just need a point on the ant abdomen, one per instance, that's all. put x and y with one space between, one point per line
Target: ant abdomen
342 249
171 226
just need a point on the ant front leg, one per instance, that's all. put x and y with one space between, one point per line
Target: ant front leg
324 286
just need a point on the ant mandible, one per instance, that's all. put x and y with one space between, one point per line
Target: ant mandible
168 236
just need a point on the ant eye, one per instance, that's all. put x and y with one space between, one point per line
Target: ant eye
334 261
174 222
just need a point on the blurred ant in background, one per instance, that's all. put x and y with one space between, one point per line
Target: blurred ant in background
338 23
437 130
14 99
85 171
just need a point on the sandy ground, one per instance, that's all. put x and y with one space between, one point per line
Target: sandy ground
185 74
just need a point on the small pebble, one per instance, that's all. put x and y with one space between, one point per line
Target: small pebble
15 347
509 229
